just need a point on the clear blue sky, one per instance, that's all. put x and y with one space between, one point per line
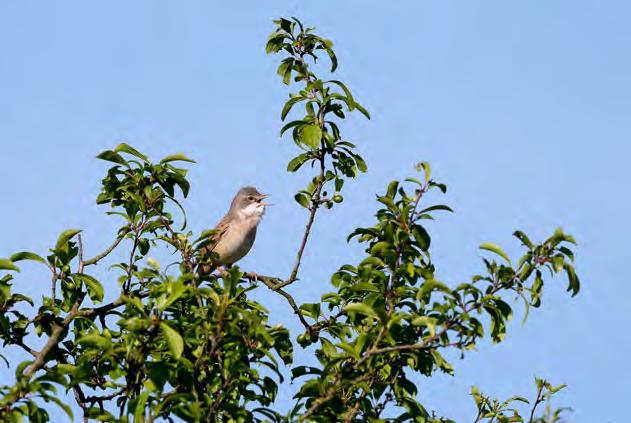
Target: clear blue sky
523 108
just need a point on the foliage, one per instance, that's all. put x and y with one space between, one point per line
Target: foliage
173 343
490 410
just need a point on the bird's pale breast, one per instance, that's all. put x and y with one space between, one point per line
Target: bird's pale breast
236 242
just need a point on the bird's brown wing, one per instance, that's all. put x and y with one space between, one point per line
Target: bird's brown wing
220 231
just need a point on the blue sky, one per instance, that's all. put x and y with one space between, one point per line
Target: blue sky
521 107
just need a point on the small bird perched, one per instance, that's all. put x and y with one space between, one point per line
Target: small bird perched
236 231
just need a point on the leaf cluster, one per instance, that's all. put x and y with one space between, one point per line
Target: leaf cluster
176 342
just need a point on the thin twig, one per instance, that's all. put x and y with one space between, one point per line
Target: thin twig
80 399
315 203
81 263
275 284
538 401
102 310
105 253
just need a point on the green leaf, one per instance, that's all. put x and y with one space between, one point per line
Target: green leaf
296 372
27 255
174 340
177 289
489 246
422 237
139 411
126 148
574 284
311 135
302 199
430 285
332 56
426 321
158 372
285 68
111 156
441 363
65 237
392 189
95 340
361 164
364 287
297 162
436 207
288 105
350 100
94 287
523 238
61 405
362 110
426 168
291 125
176 157
8 265
362 308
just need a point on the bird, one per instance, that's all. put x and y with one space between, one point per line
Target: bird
234 235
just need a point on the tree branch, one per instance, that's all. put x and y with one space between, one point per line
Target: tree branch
105 253
53 340
275 284
538 401
315 203
99 311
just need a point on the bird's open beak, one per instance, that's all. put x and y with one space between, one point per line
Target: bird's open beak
261 198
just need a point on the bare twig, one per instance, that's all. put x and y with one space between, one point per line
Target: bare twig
315 203
99 311
105 253
26 348
275 284
81 263
538 401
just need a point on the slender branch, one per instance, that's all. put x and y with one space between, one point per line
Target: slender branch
315 203
424 344
80 399
105 253
315 199
102 310
275 284
53 340
54 283
538 401
294 306
81 263
97 398
26 348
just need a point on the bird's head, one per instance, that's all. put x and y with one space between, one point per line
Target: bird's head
248 203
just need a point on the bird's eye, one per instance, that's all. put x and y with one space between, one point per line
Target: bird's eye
251 198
